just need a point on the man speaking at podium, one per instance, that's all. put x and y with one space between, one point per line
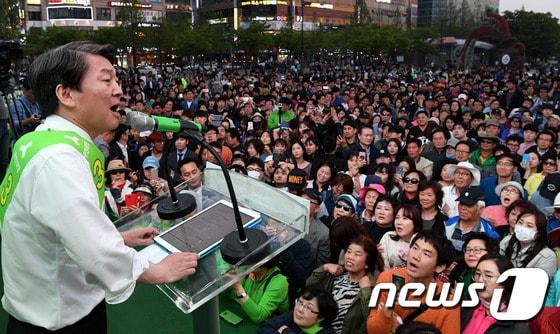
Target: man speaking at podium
61 256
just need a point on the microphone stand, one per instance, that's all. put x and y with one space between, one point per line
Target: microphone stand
175 206
236 245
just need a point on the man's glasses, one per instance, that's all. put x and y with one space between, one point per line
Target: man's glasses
411 181
115 172
306 306
550 163
343 207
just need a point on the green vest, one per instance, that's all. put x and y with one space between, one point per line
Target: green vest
26 148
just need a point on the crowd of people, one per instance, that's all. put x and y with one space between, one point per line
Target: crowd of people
425 176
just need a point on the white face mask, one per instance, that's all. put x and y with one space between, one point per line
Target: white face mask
254 174
524 234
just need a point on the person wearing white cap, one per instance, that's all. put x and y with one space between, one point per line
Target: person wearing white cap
465 175
508 192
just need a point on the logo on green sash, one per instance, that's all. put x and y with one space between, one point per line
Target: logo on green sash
30 144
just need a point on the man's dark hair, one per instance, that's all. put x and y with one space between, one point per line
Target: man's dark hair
65 65
442 130
516 138
234 133
188 160
440 243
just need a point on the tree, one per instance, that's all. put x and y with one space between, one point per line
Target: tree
9 18
254 39
540 32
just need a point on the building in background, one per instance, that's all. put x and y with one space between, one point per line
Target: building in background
94 14
278 14
436 12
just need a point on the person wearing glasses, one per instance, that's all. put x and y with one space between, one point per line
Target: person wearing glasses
505 172
314 312
548 166
478 320
527 246
476 246
509 192
464 175
351 283
484 156
409 187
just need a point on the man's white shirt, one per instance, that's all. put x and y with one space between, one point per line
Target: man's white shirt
61 255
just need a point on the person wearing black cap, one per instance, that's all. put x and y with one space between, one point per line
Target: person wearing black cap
458 228
318 235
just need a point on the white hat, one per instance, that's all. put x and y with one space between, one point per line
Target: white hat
517 185
462 96
468 166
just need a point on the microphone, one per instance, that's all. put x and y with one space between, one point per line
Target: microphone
142 123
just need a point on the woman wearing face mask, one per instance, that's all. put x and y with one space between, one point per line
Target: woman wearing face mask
526 247
476 246
394 245
351 283
509 192
516 209
368 198
314 312
383 217
478 320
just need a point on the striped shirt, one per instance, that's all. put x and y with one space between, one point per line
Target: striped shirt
344 293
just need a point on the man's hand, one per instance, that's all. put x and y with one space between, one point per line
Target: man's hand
170 269
142 236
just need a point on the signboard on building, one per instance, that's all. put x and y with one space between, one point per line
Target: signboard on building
128 4
68 2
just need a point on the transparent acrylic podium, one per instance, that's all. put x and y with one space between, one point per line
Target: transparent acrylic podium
284 219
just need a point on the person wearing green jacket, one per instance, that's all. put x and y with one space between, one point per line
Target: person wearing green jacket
282 115
263 292
351 284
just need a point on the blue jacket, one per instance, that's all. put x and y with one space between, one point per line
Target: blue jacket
485 227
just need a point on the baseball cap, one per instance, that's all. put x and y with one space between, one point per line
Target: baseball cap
550 186
297 179
150 162
471 196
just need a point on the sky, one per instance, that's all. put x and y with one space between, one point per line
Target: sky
552 6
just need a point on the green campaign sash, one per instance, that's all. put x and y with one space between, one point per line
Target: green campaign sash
31 143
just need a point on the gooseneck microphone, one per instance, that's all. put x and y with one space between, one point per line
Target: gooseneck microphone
144 122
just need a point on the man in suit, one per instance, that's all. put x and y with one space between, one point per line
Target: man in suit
180 153
119 148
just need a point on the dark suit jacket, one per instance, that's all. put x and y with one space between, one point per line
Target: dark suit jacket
133 161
